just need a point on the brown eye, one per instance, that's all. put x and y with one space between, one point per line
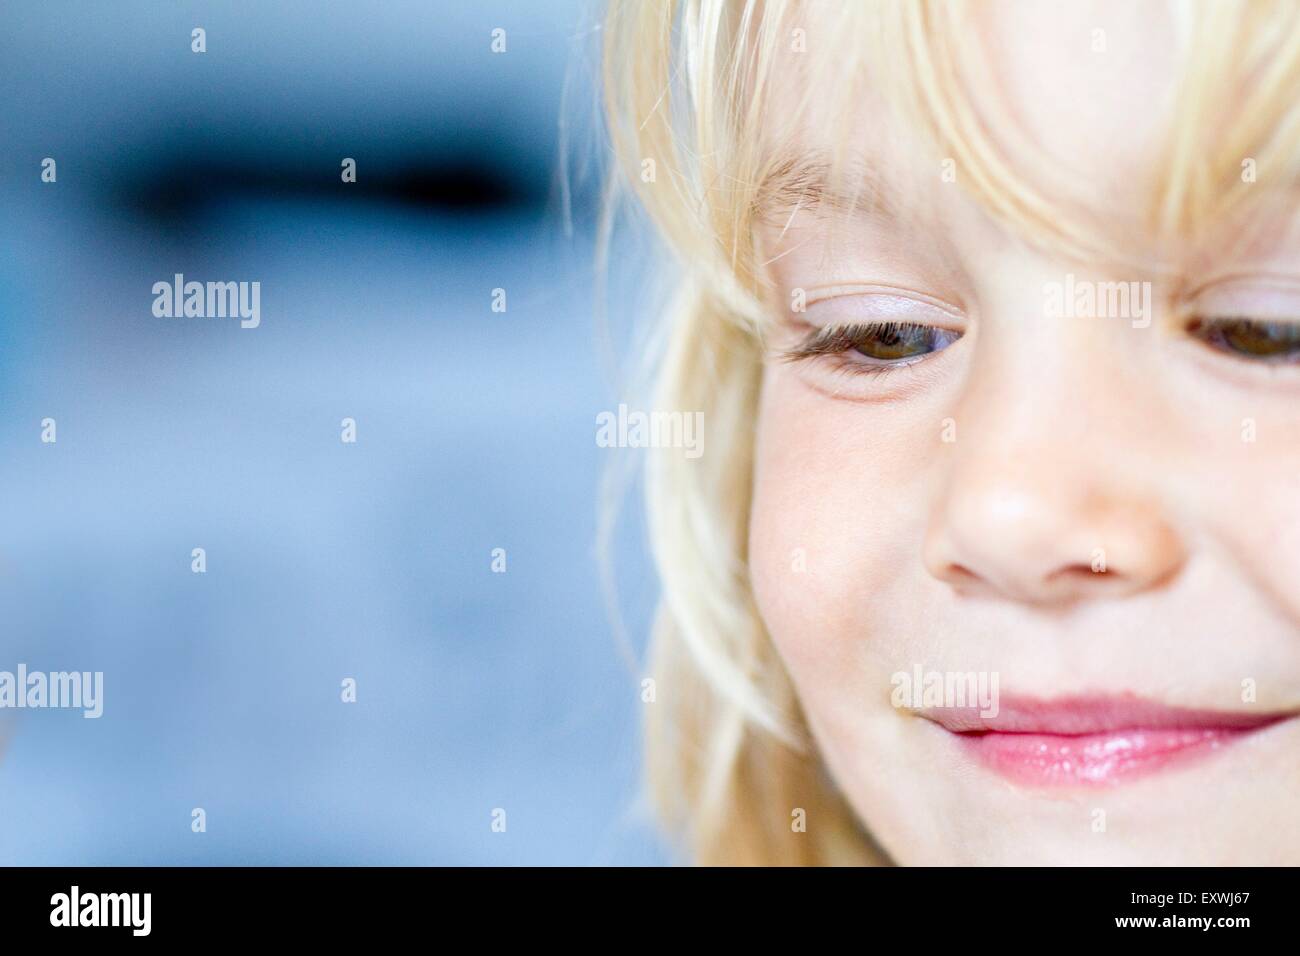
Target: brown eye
894 341
1250 338
877 343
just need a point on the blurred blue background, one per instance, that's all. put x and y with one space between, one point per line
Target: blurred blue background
325 560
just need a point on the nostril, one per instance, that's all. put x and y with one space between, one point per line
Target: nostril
1080 580
1065 583
962 577
1080 572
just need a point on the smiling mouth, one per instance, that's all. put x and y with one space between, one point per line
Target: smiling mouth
1091 741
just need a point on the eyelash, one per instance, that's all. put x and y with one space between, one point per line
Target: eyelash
835 341
831 346
838 339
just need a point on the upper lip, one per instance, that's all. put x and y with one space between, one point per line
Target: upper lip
1095 714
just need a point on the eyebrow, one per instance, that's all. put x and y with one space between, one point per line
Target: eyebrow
809 181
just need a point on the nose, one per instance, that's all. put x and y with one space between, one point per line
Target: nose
1029 515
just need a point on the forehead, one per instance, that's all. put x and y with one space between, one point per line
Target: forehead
1088 87
1091 85
1076 103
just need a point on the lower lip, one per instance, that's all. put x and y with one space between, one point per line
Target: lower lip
1095 759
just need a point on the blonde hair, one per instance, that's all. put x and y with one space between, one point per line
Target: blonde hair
688 88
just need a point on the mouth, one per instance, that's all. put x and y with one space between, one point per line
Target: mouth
1092 741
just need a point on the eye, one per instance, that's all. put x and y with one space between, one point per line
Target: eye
1252 339
875 344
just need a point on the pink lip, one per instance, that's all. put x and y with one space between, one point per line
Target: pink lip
1089 741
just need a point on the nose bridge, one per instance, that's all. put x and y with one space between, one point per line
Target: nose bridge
1016 476
1043 497
1025 408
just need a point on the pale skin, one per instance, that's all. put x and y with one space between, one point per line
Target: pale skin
952 510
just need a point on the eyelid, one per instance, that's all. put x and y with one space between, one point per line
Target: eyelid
1272 280
824 294
1258 297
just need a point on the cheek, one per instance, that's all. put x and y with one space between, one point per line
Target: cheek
836 529
1249 501
1233 475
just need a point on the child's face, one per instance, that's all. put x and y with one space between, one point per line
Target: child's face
1094 504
